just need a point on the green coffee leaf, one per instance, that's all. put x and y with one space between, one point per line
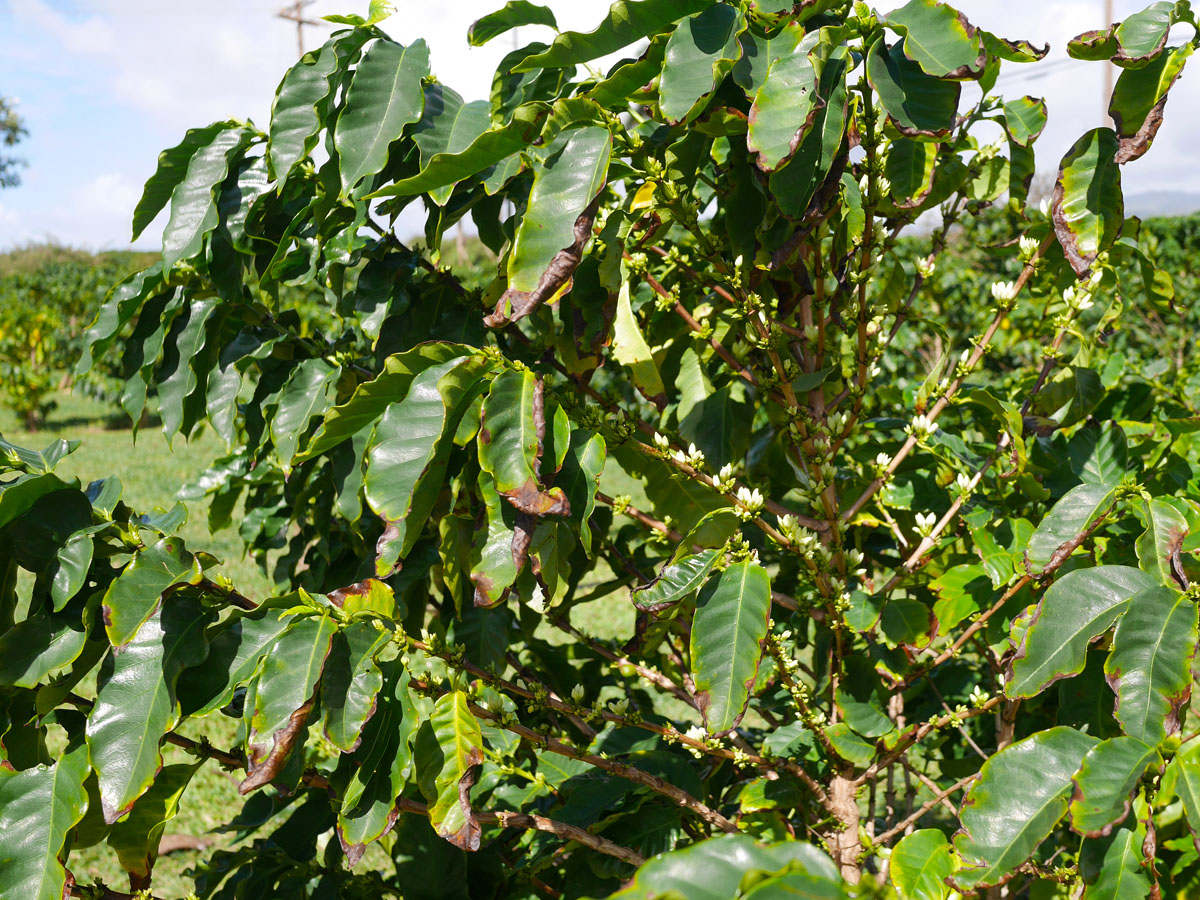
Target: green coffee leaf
627 21
728 629
1150 663
515 14
1105 783
136 701
1066 525
1075 610
920 864
448 749
939 39
38 809
784 111
1007 814
284 697
1087 206
383 99
701 51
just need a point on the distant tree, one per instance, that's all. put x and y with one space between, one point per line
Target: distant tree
12 130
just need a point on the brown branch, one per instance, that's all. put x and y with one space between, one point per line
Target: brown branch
944 401
900 827
621 770
540 823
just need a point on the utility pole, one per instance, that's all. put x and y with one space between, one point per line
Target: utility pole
1108 71
295 13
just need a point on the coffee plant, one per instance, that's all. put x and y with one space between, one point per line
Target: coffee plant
892 549
44 311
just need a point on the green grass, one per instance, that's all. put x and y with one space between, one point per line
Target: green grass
150 471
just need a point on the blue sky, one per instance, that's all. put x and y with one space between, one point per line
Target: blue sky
104 85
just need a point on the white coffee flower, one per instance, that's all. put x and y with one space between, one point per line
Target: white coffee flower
1029 246
577 693
922 427
926 266
963 482
751 501
925 523
661 442
1004 291
1044 206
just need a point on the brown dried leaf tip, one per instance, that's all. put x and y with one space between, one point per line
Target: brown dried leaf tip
514 305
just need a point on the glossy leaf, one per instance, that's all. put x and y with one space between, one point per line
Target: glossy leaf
510 444
920 864
494 564
383 99
1077 608
408 451
515 14
627 21
728 629
136 594
701 51
37 646
443 167
676 581
1160 545
714 869
136 838
910 167
1087 206
919 105
136 703
549 241
301 102
784 111
351 682
1149 667
1066 525
580 479
448 126
284 698
369 809
371 399
1182 779
795 183
307 393
1122 873
1025 119
1106 781
1136 107
1006 814
630 349
237 647
447 751
627 80
38 809
939 39
193 201
172 168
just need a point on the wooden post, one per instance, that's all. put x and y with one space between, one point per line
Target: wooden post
295 13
